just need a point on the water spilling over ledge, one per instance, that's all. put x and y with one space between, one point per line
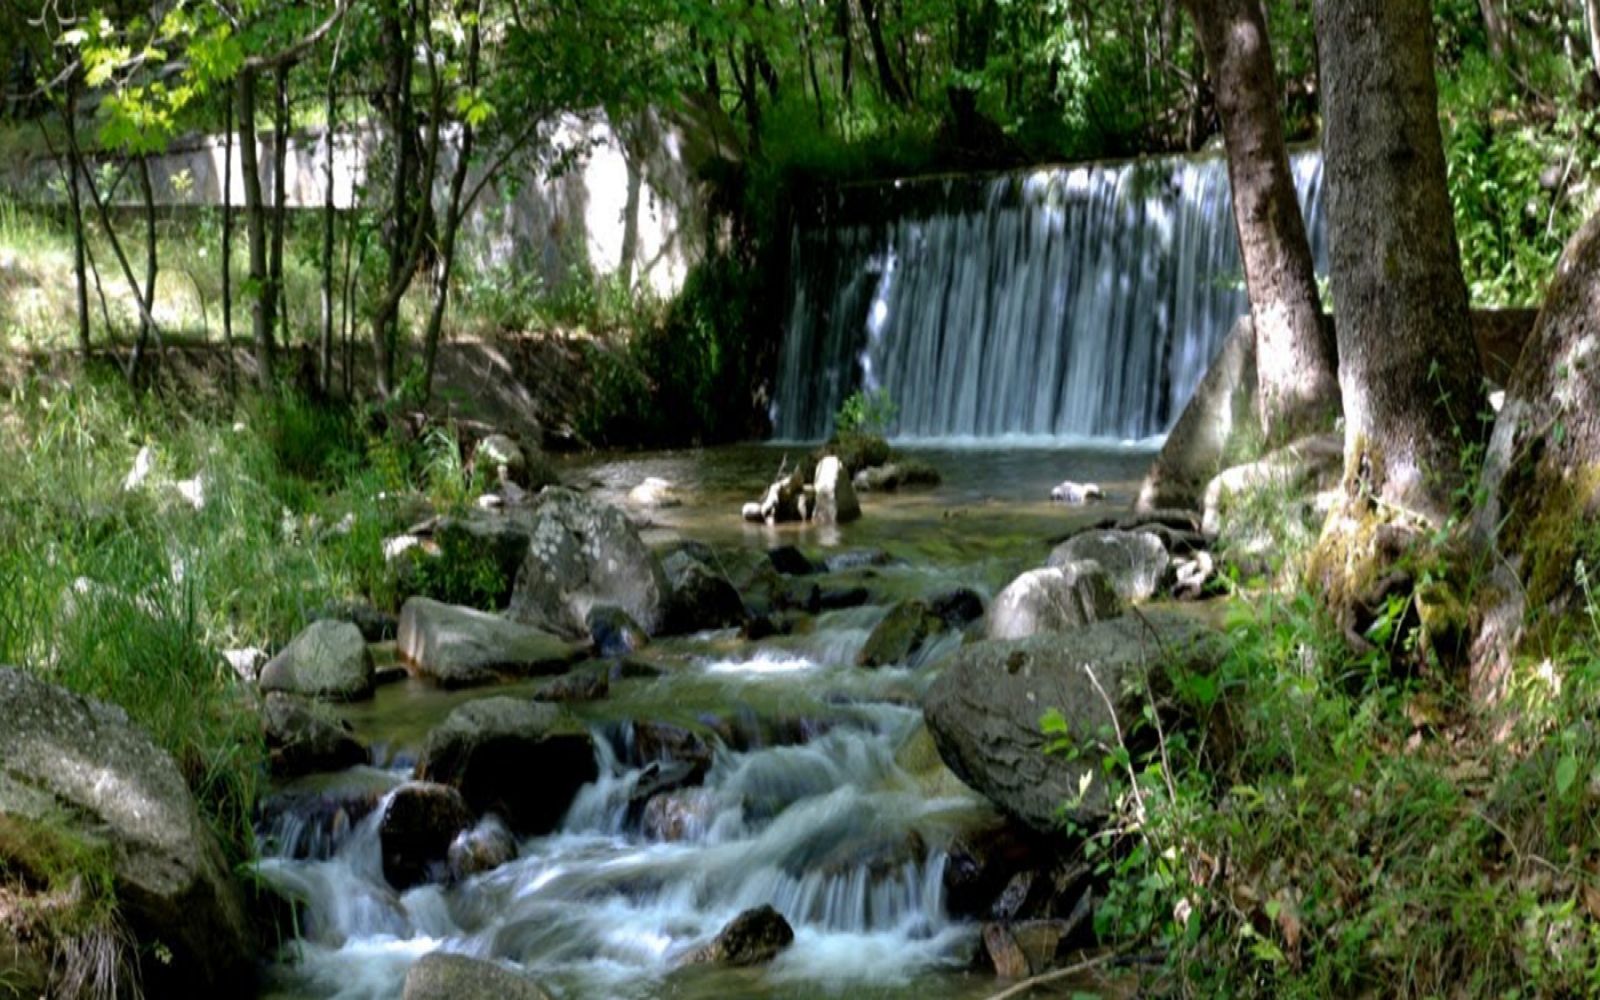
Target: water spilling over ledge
1076 303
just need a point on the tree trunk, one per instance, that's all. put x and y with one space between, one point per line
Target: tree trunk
227 240
147 195
279 307
325 355
893 90
1591 18
397 101
1408 369
256 230
1296 363
75 206
1494 26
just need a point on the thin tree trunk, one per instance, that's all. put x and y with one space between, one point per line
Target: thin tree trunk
147 194
279 310
1591 18
1296 362
256 230
227 241
1408 367
75 206
325 356
1494 26
893 90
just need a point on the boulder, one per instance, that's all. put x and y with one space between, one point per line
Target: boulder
753 937
442 976
701 597
303 736
1135 562
327 660
1077 494
904 474
1306 467
836 498
460 647
522 760
419 823
582 554
483 848
985 708
500 457
612 632
654 494
1053 599
902 634
79 769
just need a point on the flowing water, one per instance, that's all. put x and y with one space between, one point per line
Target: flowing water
1068 303
812 804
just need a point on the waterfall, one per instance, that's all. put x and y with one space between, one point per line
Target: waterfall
1074 303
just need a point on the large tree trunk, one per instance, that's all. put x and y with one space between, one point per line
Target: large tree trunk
1539 523
255 217
325 354
1295 358
1408 370
893 90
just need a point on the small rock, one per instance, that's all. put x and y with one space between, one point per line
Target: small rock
655 493
460 647
752 938
790 561
191 492
1193 574
836 501
580 685
903 474
327 660
303 737
613 632
752 512
144 463
419 823
1077 494
246 663
483 848
397 546
958 608
442 976
902 634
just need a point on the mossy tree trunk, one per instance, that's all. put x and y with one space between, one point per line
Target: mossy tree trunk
1408 369
1539 522
1295 355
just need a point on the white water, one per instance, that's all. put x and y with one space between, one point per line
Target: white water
1066 304
832 833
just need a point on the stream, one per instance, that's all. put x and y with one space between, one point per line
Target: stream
817 800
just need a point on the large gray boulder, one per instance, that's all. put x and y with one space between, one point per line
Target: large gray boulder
1135 562
79 769
443 976
1054 599
460 647
580 554
985 709
327 660
522 760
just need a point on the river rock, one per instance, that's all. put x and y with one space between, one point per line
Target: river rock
1053 599
790 561
523 760
754 937
785 500
701 597
80 767
679 815
904 474
1077 494
654 494
836 498
375 625
1135 562
664 741
612 632
958 608
984 709
419 823
581 554
902 634
481 849
442 976
327 660
1024 949
500 456
303 736
461 647
580 685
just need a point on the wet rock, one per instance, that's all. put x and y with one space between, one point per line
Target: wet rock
790 561
303 737
903 633
462 647
375 625
580 685
655 493
663 741
520 759
701 597
1027 948
893 476
441 976
957 608
310 817
984 709
481 849
1054 599
613 632
751 512
843 562
785 501
581 554
821 599
328 660
1077 494
678 815
986 867
754 937
419 823
75 767
1135 562
635 668
836 499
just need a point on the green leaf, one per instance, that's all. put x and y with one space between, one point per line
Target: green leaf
1566 773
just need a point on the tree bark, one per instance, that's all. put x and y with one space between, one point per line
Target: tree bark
893 90
147 195
75 206
325 355
1296 361
256 231
278 306
1591 18
1494 26
227 240
1408 370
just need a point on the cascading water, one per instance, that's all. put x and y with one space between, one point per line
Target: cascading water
1071 303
